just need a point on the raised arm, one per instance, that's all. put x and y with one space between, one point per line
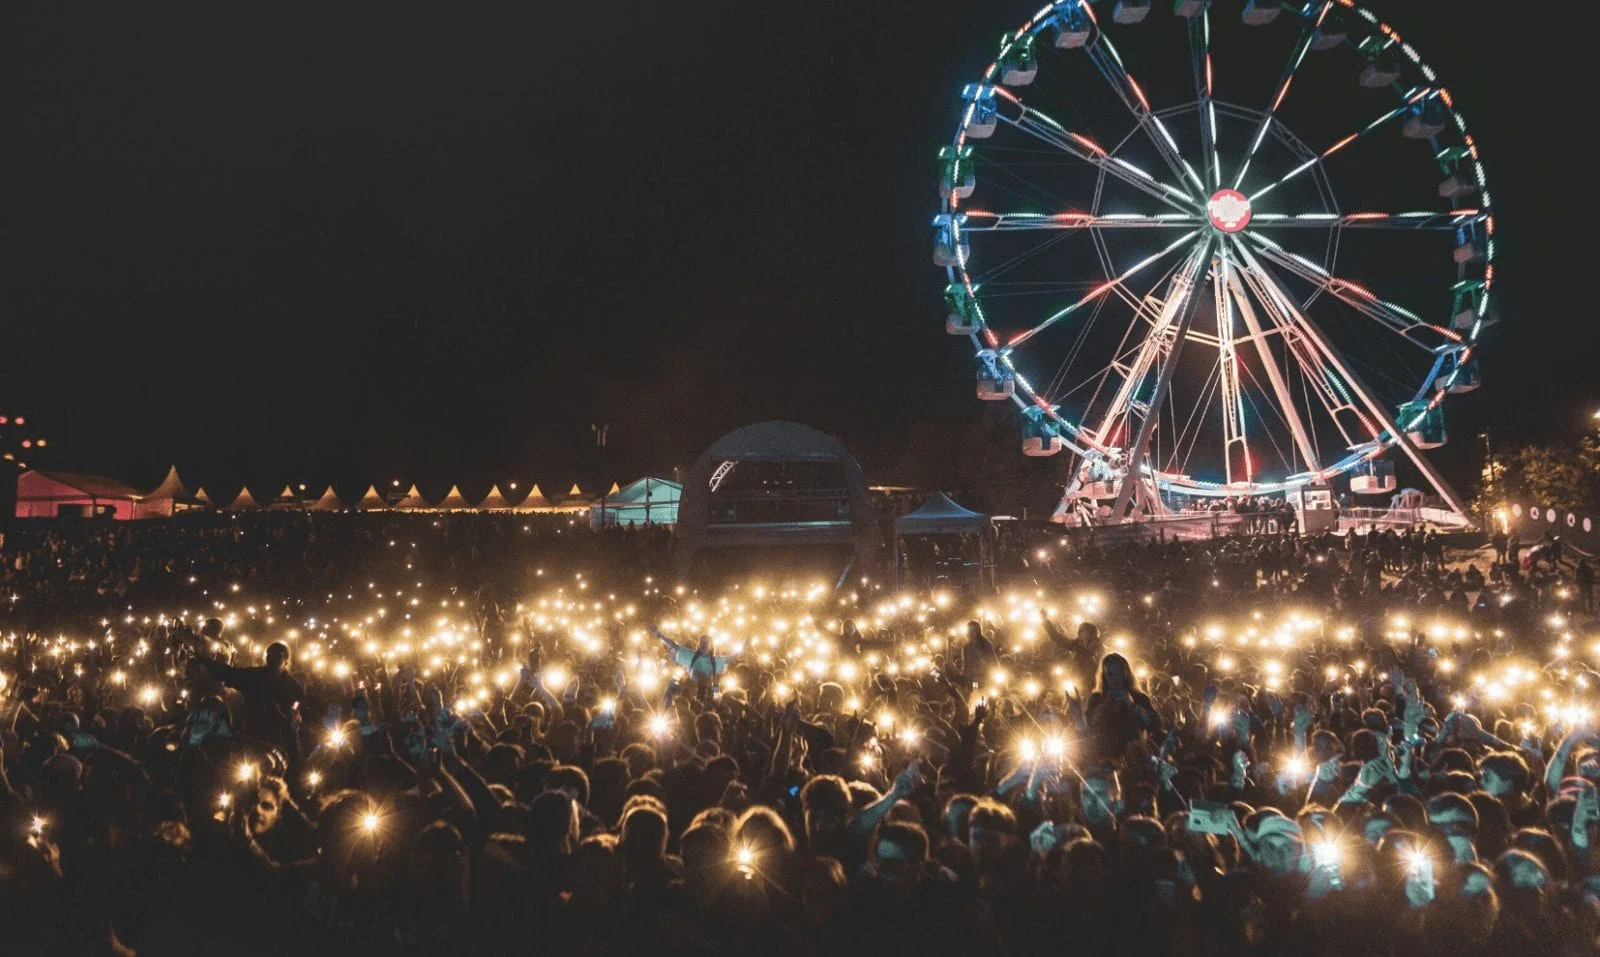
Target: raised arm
1557 767
225 673
868 818
672 646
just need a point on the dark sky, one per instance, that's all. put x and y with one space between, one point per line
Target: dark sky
362 241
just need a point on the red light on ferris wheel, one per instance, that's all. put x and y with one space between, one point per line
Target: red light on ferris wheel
1229 210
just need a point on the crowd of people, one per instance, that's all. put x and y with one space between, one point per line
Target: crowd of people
411 734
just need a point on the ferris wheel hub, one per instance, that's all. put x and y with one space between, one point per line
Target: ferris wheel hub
1229 210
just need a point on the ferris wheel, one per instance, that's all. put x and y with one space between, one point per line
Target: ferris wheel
1212 251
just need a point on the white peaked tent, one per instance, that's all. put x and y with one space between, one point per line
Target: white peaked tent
166 499
171 487
646 501
453 501
413 501
535 502
372 501
286 499
495 501
244 501
941 516
204 499
573 501
329 502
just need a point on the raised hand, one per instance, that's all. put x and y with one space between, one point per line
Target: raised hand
1407 756
907 781
1373 773
1074 705
1302 720
1585 816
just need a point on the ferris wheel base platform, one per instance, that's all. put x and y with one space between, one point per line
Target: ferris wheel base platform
1199 526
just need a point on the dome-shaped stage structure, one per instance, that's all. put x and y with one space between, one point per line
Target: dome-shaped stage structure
776 484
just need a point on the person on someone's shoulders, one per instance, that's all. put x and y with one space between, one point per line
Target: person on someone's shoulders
1118 712
266 688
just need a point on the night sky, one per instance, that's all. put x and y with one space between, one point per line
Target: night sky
355 242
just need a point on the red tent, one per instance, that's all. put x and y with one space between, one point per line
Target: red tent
72 495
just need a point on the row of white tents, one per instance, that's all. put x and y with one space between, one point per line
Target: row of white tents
176 497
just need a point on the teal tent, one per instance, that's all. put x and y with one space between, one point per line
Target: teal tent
646 501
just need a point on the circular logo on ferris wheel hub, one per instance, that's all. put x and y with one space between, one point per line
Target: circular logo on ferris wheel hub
1229 210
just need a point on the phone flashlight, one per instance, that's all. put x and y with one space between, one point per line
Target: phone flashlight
1326 854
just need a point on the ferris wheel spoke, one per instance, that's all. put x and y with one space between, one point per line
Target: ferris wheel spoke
980 221
1156 342
1420 220
1334 396
1204 88
1106 59
1327 354
1355 137
1129 346
1395 318
1100 290
1228 385
1302 46
1331 393
1047 130
1167 345
1269 362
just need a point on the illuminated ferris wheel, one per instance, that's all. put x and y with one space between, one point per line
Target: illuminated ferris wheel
1220 250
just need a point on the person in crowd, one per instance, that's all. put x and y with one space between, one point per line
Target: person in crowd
271 694
702 665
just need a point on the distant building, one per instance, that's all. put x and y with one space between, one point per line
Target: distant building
74 495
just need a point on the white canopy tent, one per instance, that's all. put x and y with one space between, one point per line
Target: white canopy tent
413 501
495 501
329 502
939 516
453 501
